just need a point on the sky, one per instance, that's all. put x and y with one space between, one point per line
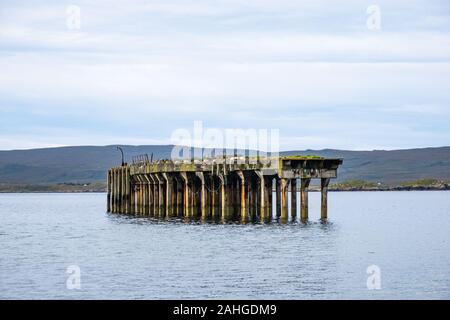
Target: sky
356 75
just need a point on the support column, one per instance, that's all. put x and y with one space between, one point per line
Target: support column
138 196
324 182
263 204
252 194
119 188
304 198
169 194
213 196
278 195
243 196
160 195
150 195
127 191
123 189
132 196
117 172
179 195
284 184
141 196
114 193
155 195
223 199
186 194
108 197
293 198
269 197
146 195
202 195
113 190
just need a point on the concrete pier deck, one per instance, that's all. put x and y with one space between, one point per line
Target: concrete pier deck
220 188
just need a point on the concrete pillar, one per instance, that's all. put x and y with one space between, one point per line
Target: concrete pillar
264 196
278 195
293 198
161 203
142 196
126 180
252 196
269 195
243 196
113 190
119 189
155 195
108 196
140 204
237 191
123 189
152 183
202 195
284 184
213 196
179 195
232 194
304 198
118 195
324 182
147 195
150 195
138 196
186 194
168 181
223 198
132 196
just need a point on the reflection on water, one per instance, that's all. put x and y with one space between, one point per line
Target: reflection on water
120 256
229 214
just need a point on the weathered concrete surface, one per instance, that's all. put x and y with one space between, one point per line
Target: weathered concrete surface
226 188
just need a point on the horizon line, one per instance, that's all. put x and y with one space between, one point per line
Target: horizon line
171 145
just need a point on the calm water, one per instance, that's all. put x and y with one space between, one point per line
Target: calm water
406 234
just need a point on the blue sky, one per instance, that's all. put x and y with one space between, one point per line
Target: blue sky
136 71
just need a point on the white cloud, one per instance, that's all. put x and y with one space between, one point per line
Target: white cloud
307 67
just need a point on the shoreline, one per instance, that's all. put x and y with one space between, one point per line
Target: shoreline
349 185
310 190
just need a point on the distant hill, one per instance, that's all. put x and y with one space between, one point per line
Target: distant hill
86 164
390 166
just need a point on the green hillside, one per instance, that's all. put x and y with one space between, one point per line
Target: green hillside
88 164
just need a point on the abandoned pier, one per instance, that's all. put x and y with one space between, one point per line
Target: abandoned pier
225 188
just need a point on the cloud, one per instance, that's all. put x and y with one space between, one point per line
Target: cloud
136 72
